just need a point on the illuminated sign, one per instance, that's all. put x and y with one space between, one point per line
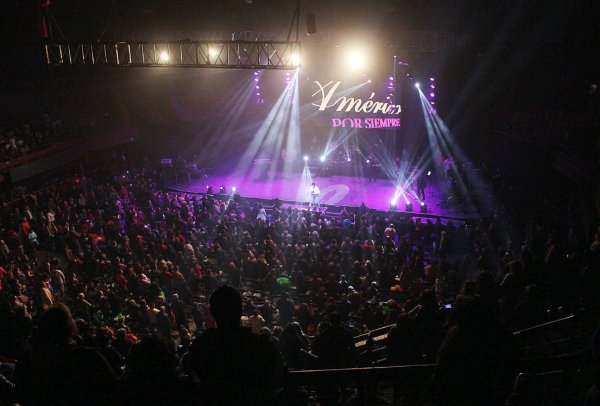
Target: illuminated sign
327 100
351 104
373 122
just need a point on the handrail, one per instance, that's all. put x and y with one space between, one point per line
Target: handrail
571 317
366 335
403 372
543 325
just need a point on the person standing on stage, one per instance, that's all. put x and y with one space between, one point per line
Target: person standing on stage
421 184
371 170
314 197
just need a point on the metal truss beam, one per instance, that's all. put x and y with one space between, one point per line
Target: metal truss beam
189 54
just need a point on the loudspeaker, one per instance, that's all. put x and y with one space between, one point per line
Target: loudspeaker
311 24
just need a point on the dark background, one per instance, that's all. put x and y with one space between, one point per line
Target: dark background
540 57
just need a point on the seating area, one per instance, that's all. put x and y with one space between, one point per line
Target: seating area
134 262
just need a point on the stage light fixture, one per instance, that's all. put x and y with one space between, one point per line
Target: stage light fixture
432 94
222 190
356 60
209 190
305 158
295 60
408 206
233 190
368 161
417 85
349 160
322 159
213 53
163 57
423 207
393 204
428 173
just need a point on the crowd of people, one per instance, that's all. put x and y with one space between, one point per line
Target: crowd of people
22 138
111 289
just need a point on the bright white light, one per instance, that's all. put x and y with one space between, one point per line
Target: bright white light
369 81
428 173
349 159
356 60
234 189
368 161
213 53
305 158
407 202
322 159
393 202
417 85
295 60
422 204
164 57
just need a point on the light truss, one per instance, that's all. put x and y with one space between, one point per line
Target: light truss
194 54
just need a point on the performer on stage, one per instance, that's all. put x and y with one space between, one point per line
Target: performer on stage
421 184
314 197
371 169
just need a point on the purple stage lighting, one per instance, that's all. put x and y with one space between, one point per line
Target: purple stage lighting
432 94
391 78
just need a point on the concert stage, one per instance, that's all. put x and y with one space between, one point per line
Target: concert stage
335 191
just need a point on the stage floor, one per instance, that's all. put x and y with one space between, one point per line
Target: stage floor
335 190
